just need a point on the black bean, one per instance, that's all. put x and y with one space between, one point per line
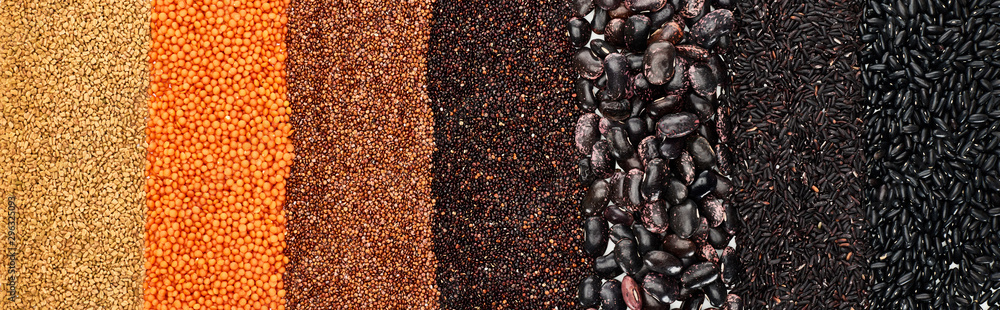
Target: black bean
616 215
658 62
600 20
684 218
676 191
635 126
606 267
621 147
703 185
621 232
703 81
579 31
716 293
663 289
657 18
584 94
640 6
655 216
676 125
595 236
616 110
611 296
665 105
681 248
646 239
587 64
637 29
649 149
712 26
616 68
587 132
627 255
718 238
588 291
663 263
602 48
654 178
701 152
596 199
582 7
699 275
670 32
615 32
585 172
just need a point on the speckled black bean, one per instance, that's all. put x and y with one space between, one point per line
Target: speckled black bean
611 296
588 291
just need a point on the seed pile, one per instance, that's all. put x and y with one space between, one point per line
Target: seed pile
73 79
796 144
656 72
932 76
505 225
360 191
218 155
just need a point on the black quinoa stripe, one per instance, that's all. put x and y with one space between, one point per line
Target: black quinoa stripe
506 226
797 155
931 74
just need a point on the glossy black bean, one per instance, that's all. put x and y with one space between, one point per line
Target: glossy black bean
664 289
579 31
729 265
684 218
600 20
647 240
649 149
588 291
651 303
617 183
585 172
694 302
584 89
616 110
607 4
703 81
587 64
658 62
670 32
701 152
595 236
596 199
676 125
611 296
627 255
676 191
616 68
601 161
582 7
705 108
634 62
665 105
733 221
637 30
621 232
718 238
621 147
681 248
700 275
702 186
709 131
616 215
713 211
679 83
635 128
633 187
614 32
709 28
671 148
606 267
655 217
586 133
716 293
621 11
602 48
654 178
663 15
725 4
630 163
663 262
642 6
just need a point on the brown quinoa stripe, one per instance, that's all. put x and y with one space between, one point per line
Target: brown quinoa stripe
73 79
797 155
359 197
505 224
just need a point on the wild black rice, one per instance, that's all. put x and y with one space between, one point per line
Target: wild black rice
797 155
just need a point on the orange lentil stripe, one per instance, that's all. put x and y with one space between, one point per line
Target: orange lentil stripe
218 155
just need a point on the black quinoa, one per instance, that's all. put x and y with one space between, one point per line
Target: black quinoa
506 227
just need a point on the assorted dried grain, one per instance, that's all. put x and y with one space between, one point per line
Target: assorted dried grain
73 80
218 155
359 195
506 229
798 155
931 71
